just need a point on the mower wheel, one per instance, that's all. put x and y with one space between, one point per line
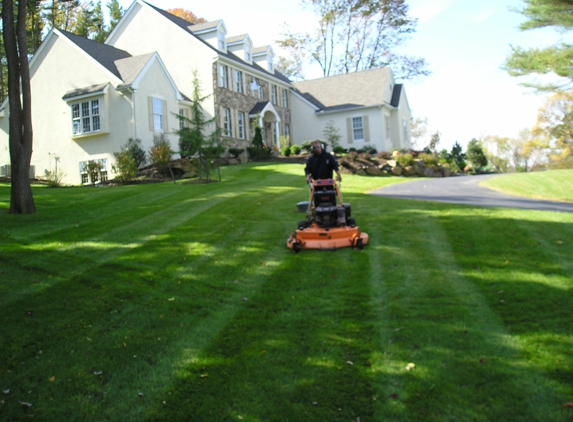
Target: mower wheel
296 247
302 225
359 244
351 222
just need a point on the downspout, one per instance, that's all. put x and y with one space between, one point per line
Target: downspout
133 113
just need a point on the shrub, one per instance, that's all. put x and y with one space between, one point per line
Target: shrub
338 150
259 153
136 151
189 141
295 149
370 149
124 166
285 151
352 149
307 145
405 160
235 152
93 168
428 159
160 153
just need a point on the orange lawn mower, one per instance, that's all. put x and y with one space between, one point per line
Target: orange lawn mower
328 225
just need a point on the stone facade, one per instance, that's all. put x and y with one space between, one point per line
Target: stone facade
236 102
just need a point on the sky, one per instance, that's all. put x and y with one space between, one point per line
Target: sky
465 43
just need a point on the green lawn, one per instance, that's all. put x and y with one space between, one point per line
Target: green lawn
554 185
174 302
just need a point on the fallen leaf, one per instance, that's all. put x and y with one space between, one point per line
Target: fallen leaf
568 404
98 372
410 366
559 242
204 375
89 339
171 299
52 378
245 299
6 391
501 301
140 394
30 313
350 362
25 404
500 292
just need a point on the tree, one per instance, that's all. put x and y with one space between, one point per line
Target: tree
458 156
20 120
555 126
475 153
554 60
354 35
419 127
115 14
332 134
434 142
187 15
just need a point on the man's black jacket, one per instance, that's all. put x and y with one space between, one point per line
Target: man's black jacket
321 166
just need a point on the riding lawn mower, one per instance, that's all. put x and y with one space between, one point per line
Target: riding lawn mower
328 224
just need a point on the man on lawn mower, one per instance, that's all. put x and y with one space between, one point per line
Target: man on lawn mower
321 164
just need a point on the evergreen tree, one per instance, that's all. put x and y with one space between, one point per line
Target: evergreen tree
475 154
555 59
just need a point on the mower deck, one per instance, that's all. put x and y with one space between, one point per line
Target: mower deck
333 238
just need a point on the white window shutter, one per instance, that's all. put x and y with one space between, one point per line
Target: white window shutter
366 129
349 131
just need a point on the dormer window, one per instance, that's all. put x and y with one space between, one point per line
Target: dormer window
247 52
270 63
221 41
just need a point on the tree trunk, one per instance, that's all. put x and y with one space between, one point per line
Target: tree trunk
20 132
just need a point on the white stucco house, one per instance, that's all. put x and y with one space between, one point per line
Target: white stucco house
89 98
368 108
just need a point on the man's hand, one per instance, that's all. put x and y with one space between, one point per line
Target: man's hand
338 178
308 178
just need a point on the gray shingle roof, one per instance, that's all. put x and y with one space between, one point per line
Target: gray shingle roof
235 38
202 26
104 54
83 91
348 90
130 67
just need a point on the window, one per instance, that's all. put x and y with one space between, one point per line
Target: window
274 94
226 122
181 121
247 52
100 177
387 124
275 134
157 115
223 81
357 129
287 130
86 117
241 120
270 63
221 41
405 126
285 98
256 89
239 81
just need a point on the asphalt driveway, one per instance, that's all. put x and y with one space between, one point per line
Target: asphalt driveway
466 190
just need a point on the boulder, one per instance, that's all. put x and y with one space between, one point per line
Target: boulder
409 171
233 161
243 159
361 172
391 163
397 170
447 172
373 171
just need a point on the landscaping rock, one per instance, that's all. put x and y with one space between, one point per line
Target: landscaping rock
373 171
409 171
397 170
233 161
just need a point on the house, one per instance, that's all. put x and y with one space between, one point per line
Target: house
238 79
367 108
89 98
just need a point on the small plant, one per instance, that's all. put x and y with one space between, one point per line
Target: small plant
370 149
285 151
93 169
284 141
160 153
295 149
338 150
405 160
54 178
125 166
235 152
352 149
259 151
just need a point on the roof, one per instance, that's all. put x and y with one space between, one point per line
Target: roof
395 101
83 91
104 54
258 107
236 38
359 89
188 28
202 26
260 50
130 67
